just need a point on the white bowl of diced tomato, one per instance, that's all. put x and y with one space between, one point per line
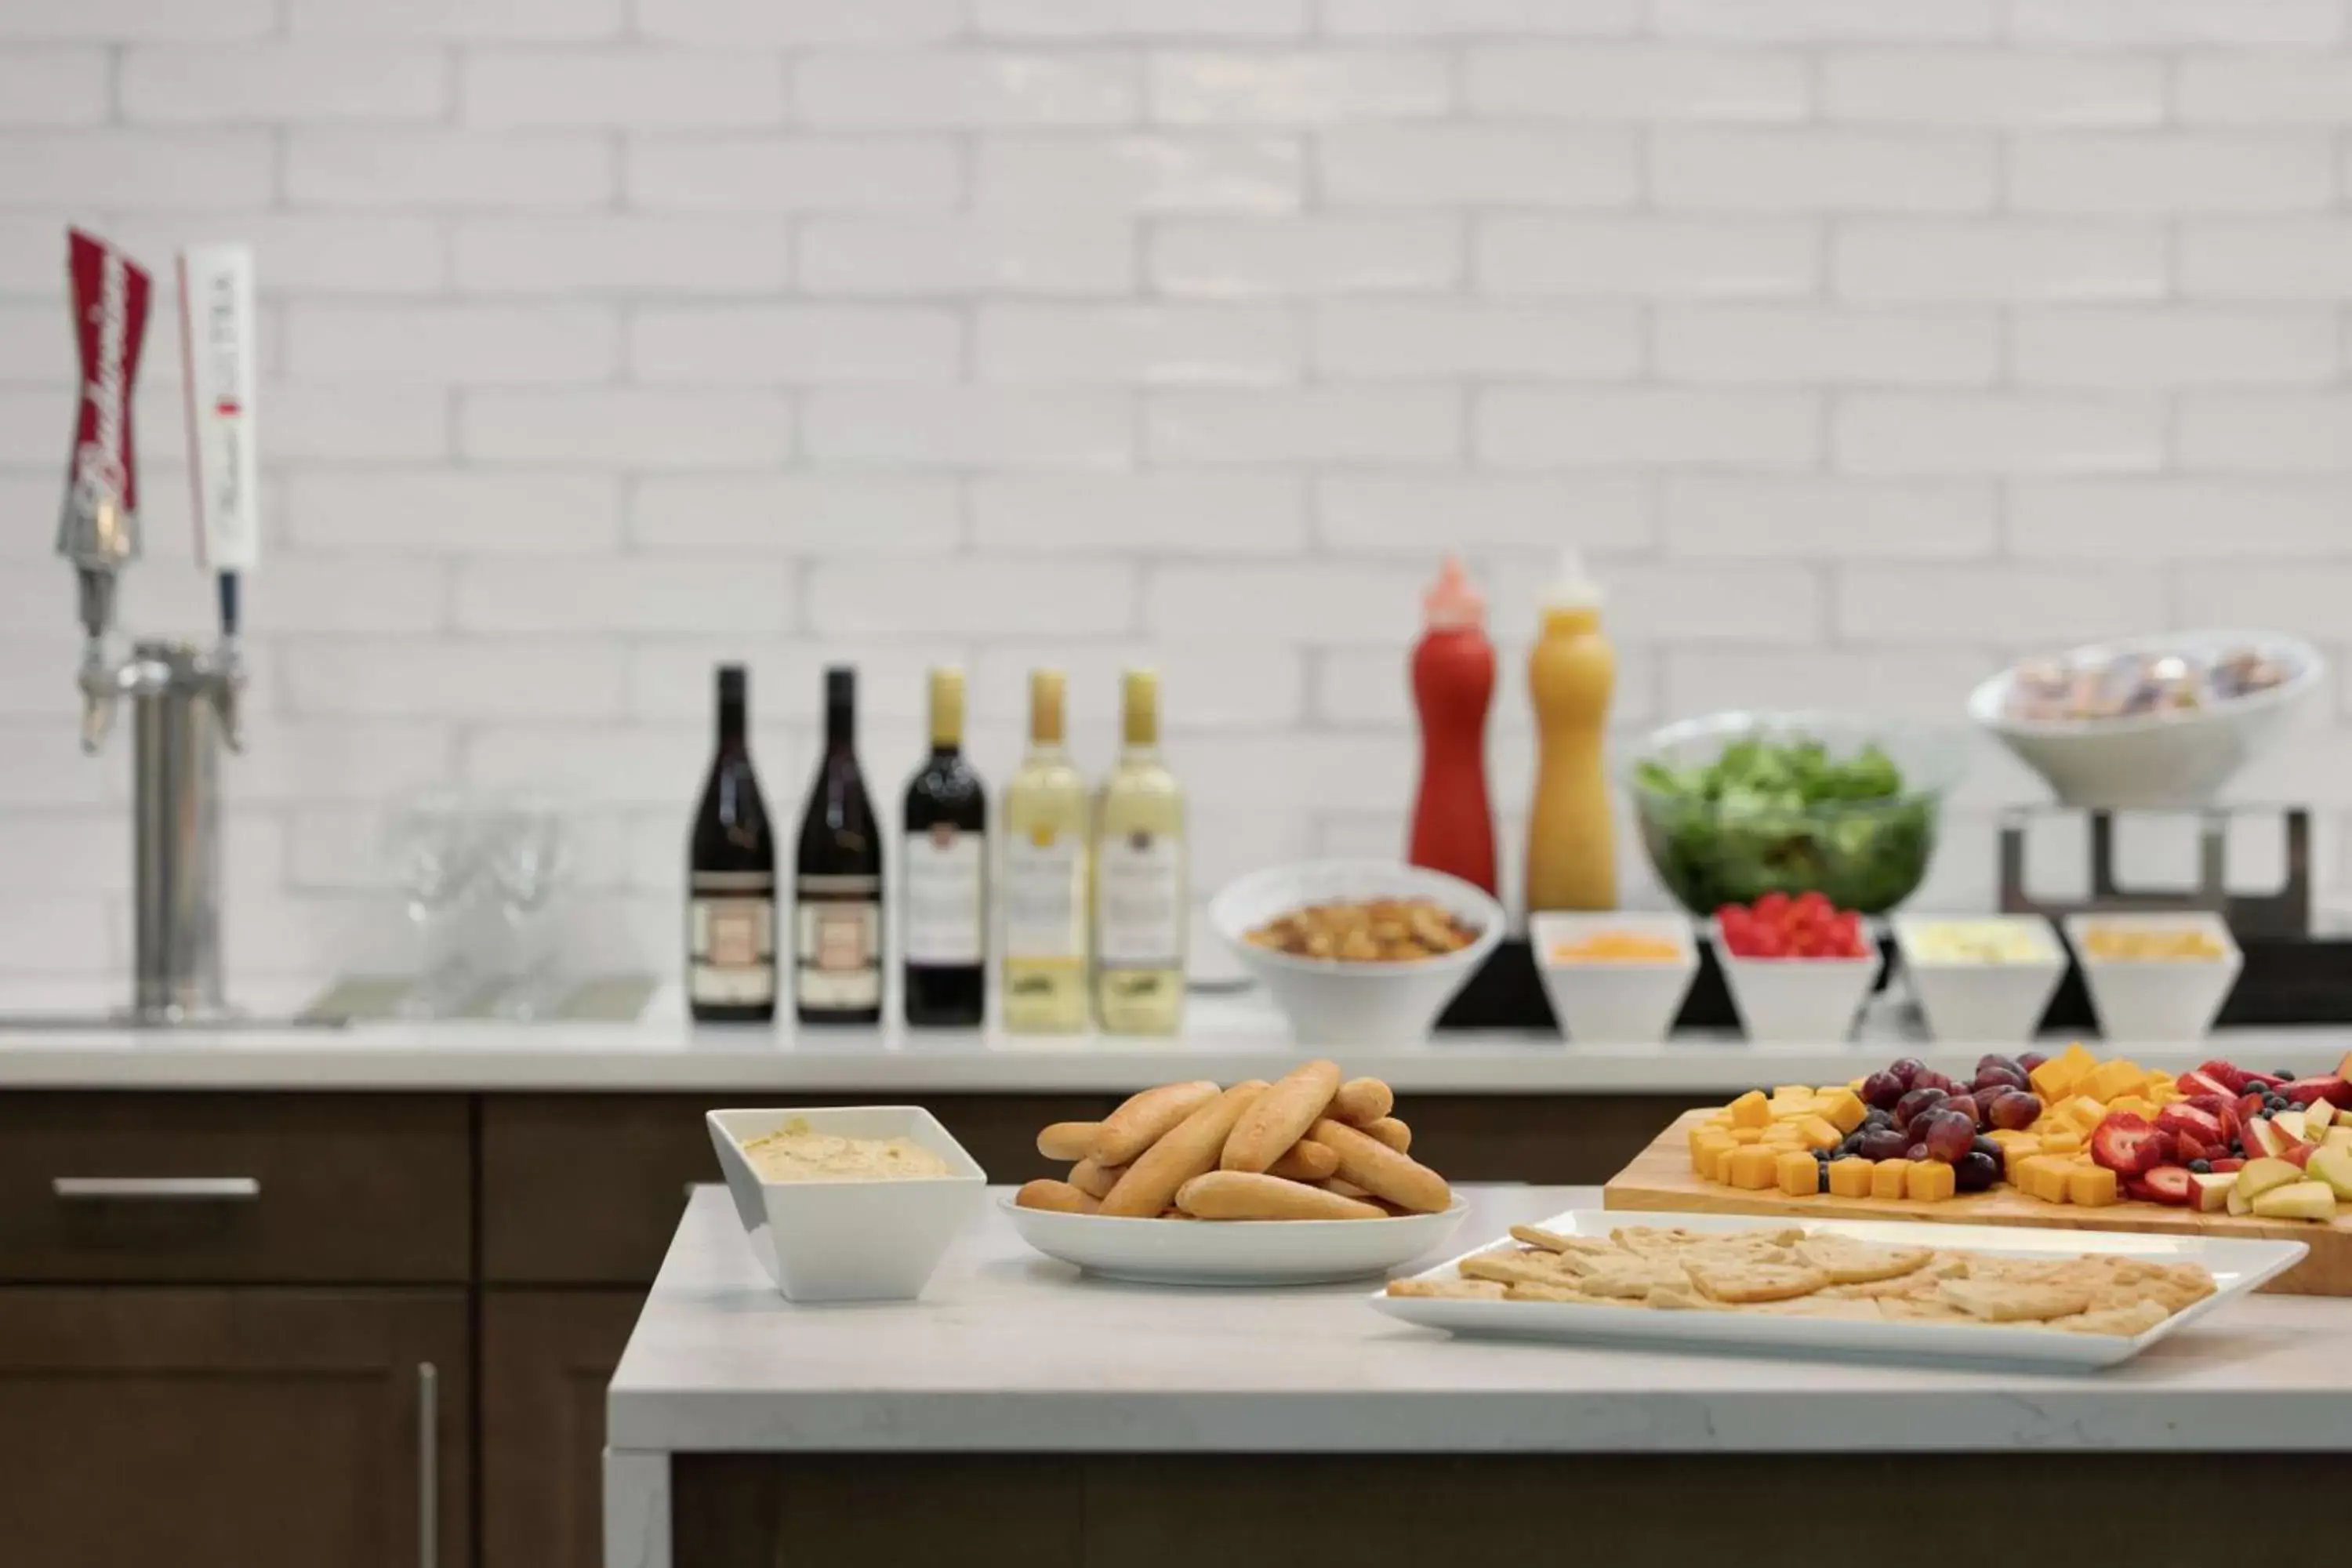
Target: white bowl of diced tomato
1799 969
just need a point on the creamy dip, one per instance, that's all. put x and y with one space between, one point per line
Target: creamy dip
794 1153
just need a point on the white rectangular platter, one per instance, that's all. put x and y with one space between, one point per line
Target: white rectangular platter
2237 1267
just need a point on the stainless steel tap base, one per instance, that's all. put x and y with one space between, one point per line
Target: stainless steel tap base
176 815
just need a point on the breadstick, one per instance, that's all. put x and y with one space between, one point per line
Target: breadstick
1280 1117
1243 1194
1361 1101
1189 1148
1095 1181
1067 1139
1346 1189
1058 1196
1145 1119
1305 1161
1392 1132
1383 1172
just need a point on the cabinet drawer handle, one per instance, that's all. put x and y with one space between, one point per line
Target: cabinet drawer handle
429 1464
157 1189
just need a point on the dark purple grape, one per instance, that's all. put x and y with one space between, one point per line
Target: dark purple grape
2016 1111
1909 1069
1883 1089
1966 1105
1882 1143
1995 1059
2031 1060
1936 1080
1976 1173
1917 1151
1907 1109
1999 1078
1946 1134
1985 1145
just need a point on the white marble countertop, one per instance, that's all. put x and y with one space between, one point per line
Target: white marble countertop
1010 1350
1226 1037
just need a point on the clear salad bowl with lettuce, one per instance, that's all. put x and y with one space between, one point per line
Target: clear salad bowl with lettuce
1740 804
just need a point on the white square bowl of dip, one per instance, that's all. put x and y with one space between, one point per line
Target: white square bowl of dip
851 1237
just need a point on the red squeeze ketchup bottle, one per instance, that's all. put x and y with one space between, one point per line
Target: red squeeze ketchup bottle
1453 683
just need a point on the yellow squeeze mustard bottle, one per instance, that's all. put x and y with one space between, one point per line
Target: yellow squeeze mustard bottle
1571 837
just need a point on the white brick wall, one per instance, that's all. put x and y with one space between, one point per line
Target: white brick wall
1861 344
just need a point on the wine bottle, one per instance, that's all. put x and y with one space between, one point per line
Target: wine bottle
730 874
837 880
1043 873
943 875
1140 915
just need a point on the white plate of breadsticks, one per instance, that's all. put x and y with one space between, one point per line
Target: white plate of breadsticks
1300 1181
1877 1287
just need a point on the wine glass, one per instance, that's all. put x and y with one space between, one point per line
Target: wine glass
432 841
528 852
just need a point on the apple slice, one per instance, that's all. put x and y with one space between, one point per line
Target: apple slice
2239 1204
2299 1155
2297 1200
2268 1138
2214 1189
2292 1123
2317 1117
2333 1165
2339 1134
2261 1175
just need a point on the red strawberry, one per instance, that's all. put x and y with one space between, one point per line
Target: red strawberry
2331 1088
2188 1122
2229 1075
2187 1146
2126 1144
2230 1164
2164 1185
2250 1107
2223 1109
2198 1083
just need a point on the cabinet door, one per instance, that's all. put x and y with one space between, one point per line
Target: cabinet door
546 1359
260 1427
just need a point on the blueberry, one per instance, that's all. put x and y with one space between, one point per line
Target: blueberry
2283 1075
2201 1167
1853 1142
1824 1169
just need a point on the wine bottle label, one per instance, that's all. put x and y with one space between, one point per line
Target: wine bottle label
944 912
731 938
1044 898
839 926
1141 915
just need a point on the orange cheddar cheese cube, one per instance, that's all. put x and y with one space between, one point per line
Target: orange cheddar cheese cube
2084 1112
1850 1177
1750 1168
1800 1174
2137 1104
2001 1135
2045 1177
2093 1187
2110 1081
1928 1182
1844 1110
2015 1153
1751 1109
1888 1178
1819 1132
2054 1080
1748 1135
2065 1140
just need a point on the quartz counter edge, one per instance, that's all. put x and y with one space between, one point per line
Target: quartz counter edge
654 1054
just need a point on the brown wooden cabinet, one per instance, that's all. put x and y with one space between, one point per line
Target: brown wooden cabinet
262 1428
546 1358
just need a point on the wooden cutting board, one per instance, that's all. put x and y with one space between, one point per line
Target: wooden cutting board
1660 1178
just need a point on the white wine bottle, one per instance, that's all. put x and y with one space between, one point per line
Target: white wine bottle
1140 913
1044 876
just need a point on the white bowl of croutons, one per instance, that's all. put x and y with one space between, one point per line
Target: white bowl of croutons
1356 950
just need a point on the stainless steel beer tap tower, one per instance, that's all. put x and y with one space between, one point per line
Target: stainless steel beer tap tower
184 705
